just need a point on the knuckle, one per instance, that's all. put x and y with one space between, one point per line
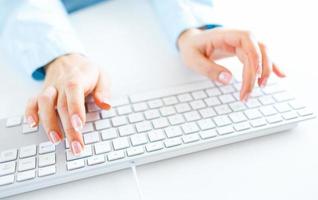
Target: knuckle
62 107
72 84
44 98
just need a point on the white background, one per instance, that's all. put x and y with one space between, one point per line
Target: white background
125 38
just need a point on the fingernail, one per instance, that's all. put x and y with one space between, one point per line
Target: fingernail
31 121
225 77
77 123
55 138
106 103
76 147
263 82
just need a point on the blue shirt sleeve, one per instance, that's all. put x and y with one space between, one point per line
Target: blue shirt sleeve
35 32
177 16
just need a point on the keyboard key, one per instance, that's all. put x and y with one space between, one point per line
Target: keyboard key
176 119
102 147
237 117
237 106
185 97
108 113
242 126
124 110
190 138
5 180
46 171
213 92
258 122
173 131
222 120
13 121
102 124
88 127
183 107
208 134
152 114
46 147
192 116
92 107
173 142
46 159
8 155
154 146
7 168
26 164
274 119
284 96
126 130
222 109
91 137
143 126
212 101
116 155
170 100
268 110
304 112
197 104
160 123
27 129
119 121
199 94
133 151
166 111
226 89
272 89
120 143
27 175
94 160
87 151
138 139
266 100
156 135
135 117
155 103
140 107
253 114
93 116
109 134
27 151
190 128
225 130
207 112
289 115
226 98
282 107
206 124
253 103
296 105
75 164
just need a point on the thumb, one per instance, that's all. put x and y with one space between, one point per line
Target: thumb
101 93
213 70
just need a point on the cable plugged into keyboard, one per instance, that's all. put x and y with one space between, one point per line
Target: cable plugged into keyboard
134 172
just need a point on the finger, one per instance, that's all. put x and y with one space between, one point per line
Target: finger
278 72
266 64
210 69
74 137
49 120
249 75
75 99
31 112
101 93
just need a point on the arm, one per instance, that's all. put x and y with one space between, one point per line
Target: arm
188 21
37 34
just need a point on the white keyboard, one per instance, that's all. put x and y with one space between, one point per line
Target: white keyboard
144 128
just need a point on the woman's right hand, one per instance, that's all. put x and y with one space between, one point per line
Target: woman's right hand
69 79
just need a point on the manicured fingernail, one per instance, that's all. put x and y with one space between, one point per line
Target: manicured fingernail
106 103
225 77
55 138
77 123
76 147
263 82
31 121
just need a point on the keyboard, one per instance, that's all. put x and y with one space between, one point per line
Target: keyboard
143 128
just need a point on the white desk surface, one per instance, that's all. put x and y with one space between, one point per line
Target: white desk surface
125 38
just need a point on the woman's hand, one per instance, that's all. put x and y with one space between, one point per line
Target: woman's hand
200 48
68 80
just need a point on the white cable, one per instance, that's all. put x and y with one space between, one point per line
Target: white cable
134 171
